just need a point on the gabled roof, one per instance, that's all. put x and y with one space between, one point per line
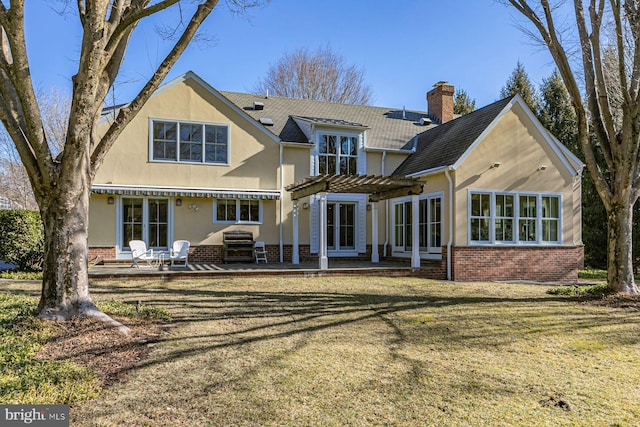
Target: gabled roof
293 119
386 128
444 144
449 144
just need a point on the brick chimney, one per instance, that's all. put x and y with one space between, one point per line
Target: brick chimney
440 102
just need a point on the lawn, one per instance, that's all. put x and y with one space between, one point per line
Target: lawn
373 351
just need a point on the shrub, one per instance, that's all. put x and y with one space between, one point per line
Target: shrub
22 241
580 291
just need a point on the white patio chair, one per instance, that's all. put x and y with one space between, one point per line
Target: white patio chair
139 252
180 252
260 251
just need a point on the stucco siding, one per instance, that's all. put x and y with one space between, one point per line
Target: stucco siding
253 156
102 222
519 147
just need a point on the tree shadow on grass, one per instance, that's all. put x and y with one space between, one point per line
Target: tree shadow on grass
262 316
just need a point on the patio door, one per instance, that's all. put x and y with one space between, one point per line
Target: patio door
430 208
146 220
341 227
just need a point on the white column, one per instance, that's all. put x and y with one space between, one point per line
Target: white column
324 261
375 257
415 232
295 258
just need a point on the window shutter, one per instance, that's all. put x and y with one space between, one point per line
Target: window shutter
362 156
313 161
362 224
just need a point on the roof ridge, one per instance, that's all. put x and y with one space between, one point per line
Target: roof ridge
321 101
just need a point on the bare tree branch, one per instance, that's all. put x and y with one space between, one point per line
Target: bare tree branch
320 75
127 113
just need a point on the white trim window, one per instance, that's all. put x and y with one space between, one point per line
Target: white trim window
550 219
480 218
237 211
430 208
338 154
188 142
144 218
514 218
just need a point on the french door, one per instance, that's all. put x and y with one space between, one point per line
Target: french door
146 220
341 226
429 222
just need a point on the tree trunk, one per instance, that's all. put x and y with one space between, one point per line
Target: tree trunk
65 284
620 258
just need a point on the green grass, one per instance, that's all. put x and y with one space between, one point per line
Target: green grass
23 377
373 351
21 275
26 379
592 274
143 311
600 289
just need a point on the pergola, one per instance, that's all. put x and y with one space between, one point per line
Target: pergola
377 187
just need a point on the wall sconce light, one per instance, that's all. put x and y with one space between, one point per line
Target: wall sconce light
194 207
368 206
495 165
111 200
178 202
305 205
542 167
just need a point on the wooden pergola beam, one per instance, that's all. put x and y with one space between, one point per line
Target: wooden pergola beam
396 192
378 187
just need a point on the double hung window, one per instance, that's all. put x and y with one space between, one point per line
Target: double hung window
514 218
235 211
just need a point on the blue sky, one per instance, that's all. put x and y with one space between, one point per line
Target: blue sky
404 47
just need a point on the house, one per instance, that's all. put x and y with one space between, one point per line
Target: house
5 203
495 195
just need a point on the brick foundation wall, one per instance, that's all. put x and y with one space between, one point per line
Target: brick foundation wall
206 253
96 253
539 264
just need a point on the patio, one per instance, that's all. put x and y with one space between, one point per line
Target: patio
337 267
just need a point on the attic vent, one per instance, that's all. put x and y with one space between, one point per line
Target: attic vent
266 121
258 105
424 121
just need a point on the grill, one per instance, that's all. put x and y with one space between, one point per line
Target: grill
237 246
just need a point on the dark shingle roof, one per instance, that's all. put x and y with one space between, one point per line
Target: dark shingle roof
444 144
387 129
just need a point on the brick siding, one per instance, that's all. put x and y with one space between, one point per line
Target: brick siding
539 264
101 253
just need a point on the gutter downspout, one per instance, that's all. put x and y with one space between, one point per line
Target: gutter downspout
449 243
281 202
386 212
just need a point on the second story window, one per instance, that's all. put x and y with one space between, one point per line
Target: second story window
189 142
337 154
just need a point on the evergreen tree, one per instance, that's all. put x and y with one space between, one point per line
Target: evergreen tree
463 103
520 83
557 115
